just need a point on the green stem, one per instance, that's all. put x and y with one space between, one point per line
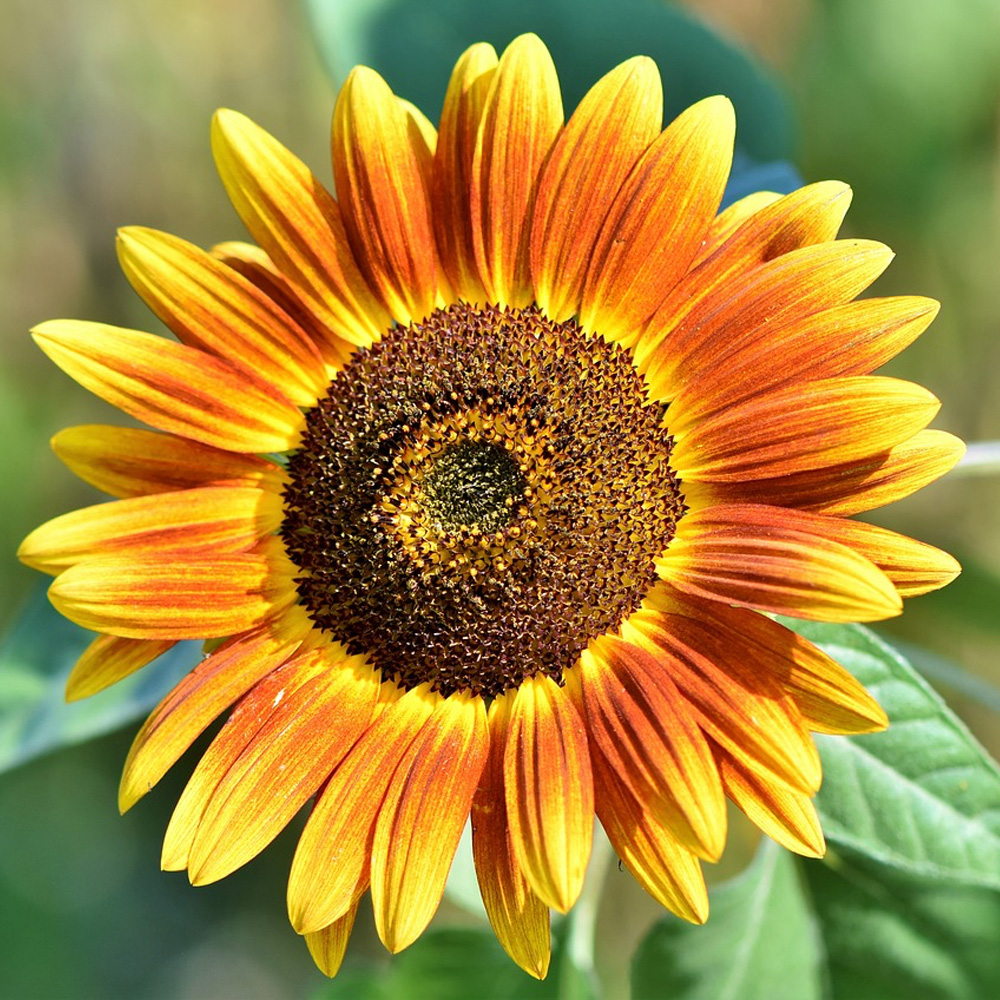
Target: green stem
981 459
583 929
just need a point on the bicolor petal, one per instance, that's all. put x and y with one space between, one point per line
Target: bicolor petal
299 224
378 165
606 135
171 386
776 559
518 917
520 122
549 791
130 461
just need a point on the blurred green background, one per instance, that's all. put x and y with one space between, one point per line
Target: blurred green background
104 111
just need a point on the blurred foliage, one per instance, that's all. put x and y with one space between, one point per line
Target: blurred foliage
104 111
36 657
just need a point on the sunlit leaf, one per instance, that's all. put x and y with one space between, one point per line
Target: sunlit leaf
889 937
760 942
923 796
35 659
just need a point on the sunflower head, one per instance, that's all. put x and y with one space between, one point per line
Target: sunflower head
484 477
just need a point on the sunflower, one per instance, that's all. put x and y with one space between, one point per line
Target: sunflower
484 480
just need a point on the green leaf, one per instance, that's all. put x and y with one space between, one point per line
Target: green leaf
37 656
923 796
758 944
415 45
892 938
454 964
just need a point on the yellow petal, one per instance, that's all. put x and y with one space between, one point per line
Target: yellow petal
331 866
520 122
659 220
422 818
211 306
107 660
295 219
327 946
187 524
549 791
171 386
218 681
130 461
776 559
464 104
518 917
610 129
377 164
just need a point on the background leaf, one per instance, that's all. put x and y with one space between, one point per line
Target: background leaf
760 942
414 45
36 658
923 796
888 937
455 964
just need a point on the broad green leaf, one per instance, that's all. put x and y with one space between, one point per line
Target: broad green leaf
923 796
414 45
36 658
889 937
454 964
758 944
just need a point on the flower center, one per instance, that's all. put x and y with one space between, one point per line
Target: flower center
478 496
474 484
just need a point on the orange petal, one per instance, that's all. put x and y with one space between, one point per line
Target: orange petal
851 487
668 872
198 523
801 426
218 681
296 220
851 339
659 220
129 461
181 599
790 287
243 725
519 124
331 865
328 945
641 725
295 750
914 567
518 917
811 215
787 816
464 104
729 220
549 791
829 698
612 126
776 559
210 306
255 265
422 818
745 711
171 386
383 195
107 660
